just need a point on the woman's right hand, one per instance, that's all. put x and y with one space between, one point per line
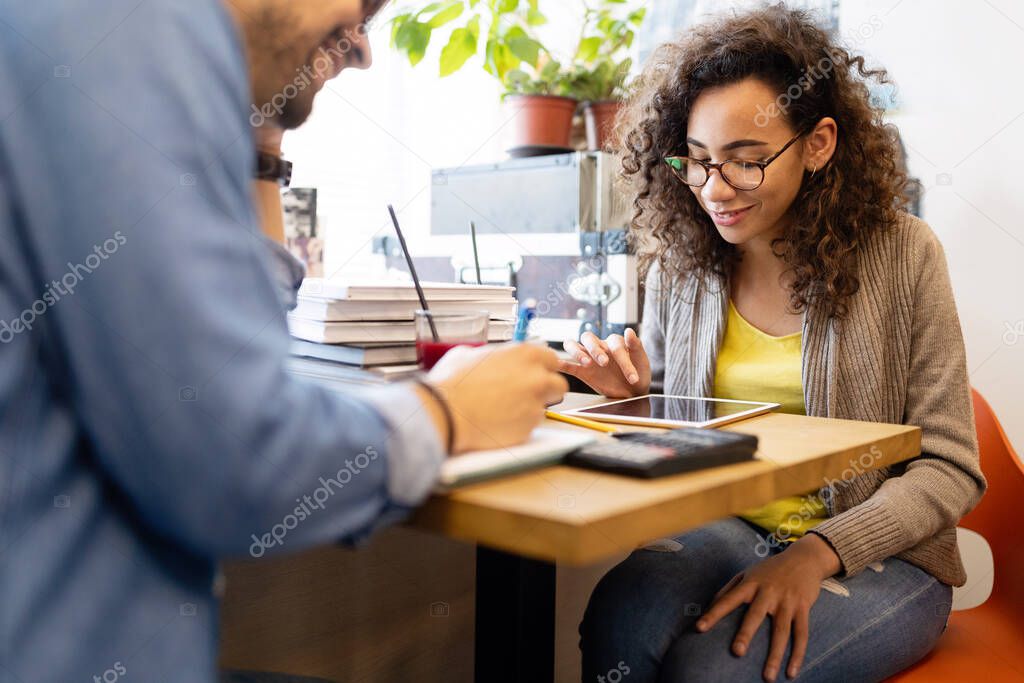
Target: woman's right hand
616 367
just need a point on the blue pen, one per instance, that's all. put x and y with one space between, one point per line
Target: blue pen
527 313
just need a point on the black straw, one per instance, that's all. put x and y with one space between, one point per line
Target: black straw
476 256
412 270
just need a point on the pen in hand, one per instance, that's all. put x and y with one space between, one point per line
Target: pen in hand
526 313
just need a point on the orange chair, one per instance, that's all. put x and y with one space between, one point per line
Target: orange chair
986 643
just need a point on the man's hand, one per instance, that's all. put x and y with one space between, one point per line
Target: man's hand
616 367
498 393
784 586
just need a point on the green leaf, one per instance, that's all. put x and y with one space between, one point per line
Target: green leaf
506 6
550 71
428 9
517 81
489 55
535 18
450 13
637 17
396 26
474 27
500 59
413 39
459 49
588 48
403 34
523 46
516 76
504 60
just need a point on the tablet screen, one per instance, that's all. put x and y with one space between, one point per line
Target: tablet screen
671 408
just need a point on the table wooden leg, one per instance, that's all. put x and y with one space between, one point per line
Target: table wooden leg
515 618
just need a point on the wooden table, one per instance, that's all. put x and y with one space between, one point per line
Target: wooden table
523 525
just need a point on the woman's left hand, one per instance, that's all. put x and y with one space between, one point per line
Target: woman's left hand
784 586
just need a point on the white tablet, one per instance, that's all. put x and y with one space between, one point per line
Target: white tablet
659 410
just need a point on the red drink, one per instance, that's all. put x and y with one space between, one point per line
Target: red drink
428 353
437 334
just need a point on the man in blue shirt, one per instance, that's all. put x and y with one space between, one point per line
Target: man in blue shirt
147 426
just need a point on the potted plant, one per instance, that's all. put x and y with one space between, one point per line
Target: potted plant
502 33
602 64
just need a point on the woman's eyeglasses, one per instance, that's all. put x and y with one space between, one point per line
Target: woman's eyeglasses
742 175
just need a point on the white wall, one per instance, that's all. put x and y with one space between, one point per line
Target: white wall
958 67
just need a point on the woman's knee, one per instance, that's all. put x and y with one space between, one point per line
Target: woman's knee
696 657
633 615
627 593
668 582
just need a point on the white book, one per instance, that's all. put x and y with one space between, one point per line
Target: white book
330 374
354 310
396 372
359 355
335 373
546 446
369 332
390 291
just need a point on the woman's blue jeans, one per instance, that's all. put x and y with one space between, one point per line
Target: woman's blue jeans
639 624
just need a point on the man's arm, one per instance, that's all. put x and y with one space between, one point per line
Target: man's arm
132 185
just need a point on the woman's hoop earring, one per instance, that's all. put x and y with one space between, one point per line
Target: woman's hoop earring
815 170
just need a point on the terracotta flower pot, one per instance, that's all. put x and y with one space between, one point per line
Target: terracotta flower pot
600 117
541 120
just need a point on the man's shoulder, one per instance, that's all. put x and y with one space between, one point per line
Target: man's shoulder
83 25
76 37
169 75
143 97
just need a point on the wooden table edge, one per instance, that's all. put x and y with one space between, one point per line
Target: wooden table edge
586 541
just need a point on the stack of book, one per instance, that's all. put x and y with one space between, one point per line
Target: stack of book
341 330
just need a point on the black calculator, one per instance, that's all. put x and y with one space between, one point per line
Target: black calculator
658 454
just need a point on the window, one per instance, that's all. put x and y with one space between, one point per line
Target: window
374 137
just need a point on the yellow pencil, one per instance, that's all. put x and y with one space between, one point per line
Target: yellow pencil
580 422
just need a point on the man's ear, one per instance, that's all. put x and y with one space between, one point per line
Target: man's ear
820 144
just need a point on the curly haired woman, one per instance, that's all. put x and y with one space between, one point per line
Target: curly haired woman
781 268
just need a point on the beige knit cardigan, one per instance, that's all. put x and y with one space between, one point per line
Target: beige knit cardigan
897 357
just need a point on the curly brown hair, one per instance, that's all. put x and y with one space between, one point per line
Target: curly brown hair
858 193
